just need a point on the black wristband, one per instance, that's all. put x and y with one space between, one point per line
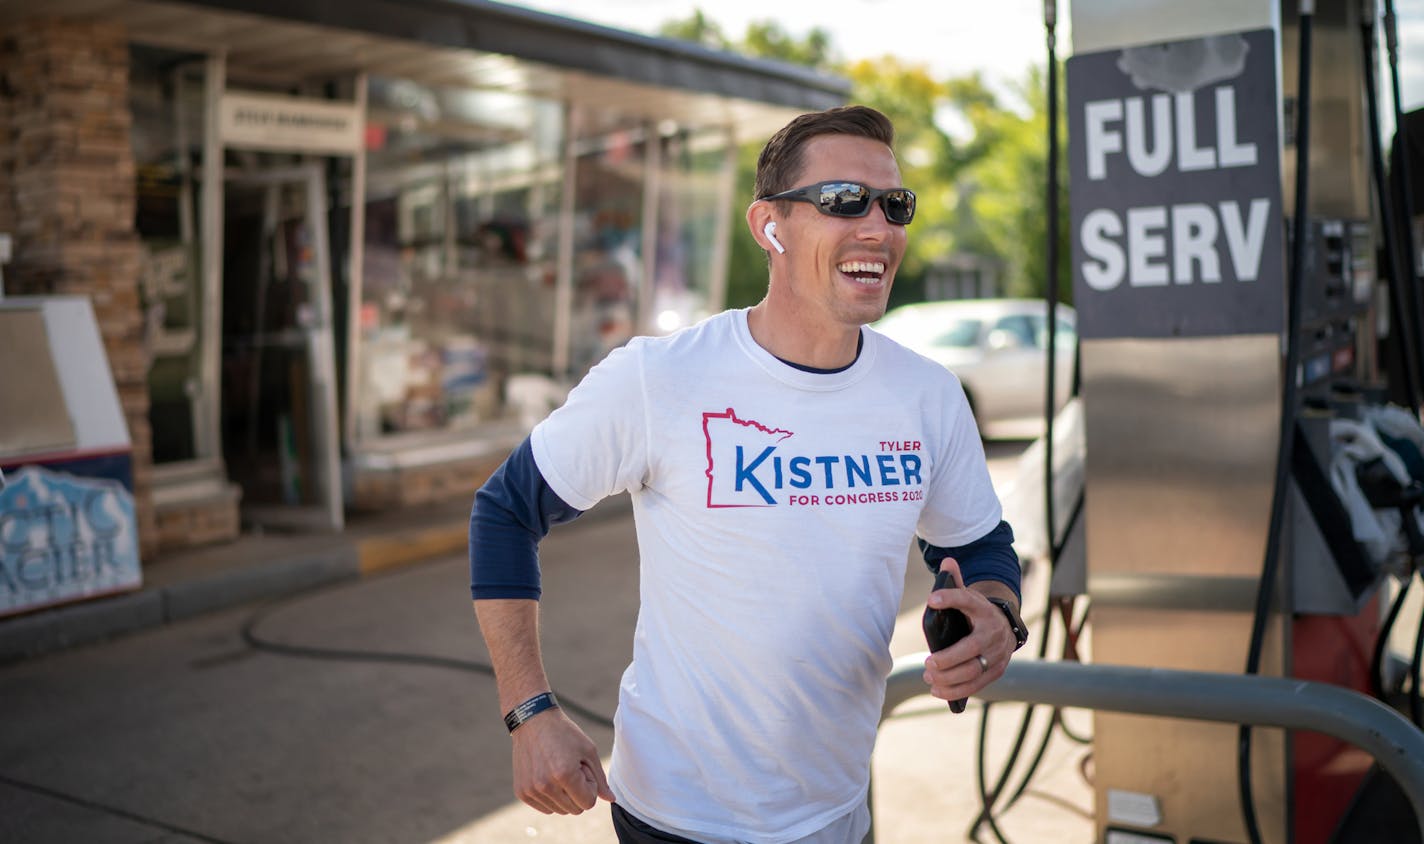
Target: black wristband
528 709
1015 625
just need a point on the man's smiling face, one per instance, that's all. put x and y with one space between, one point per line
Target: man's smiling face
841 268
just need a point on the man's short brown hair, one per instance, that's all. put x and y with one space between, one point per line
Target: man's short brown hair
782 158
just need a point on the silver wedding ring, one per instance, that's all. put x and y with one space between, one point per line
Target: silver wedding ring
983 664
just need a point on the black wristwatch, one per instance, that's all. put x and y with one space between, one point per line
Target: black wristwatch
1015 623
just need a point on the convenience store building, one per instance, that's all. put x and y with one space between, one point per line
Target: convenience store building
342 255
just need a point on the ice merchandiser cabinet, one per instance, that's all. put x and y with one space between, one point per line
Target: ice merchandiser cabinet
67 525
1181 163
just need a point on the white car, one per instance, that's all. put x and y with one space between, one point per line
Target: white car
998 349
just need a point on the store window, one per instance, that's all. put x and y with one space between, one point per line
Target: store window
459 276
608 232
166 100
693 169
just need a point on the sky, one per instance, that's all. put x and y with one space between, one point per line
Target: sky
1004 39
1002 43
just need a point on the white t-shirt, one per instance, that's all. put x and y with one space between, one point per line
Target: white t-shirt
773 508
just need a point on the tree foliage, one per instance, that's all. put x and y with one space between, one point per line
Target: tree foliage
766 39
699 29
1007 192
975 157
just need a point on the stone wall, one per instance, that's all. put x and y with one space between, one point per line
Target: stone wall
67 194
205 522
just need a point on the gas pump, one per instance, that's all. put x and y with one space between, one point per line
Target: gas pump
1209 236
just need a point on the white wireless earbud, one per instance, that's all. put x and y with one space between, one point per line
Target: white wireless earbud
770 231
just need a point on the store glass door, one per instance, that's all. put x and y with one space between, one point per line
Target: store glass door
280 435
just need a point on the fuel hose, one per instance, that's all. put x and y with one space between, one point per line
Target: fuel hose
1271 564
1403 298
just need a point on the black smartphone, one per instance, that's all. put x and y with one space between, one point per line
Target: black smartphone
945 627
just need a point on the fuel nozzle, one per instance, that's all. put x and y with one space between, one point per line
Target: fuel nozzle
1385 491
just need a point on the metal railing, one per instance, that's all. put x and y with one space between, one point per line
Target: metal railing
1386 735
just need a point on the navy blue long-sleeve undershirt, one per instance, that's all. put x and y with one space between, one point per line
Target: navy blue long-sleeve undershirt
515 509
990 557
512 512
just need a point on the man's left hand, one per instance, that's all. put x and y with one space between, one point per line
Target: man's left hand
962 669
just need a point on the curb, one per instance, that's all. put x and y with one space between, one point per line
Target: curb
382 553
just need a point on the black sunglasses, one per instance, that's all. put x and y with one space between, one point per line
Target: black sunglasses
851 199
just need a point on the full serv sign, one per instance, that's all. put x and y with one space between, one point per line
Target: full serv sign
1176 208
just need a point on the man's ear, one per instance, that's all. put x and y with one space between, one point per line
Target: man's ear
760 213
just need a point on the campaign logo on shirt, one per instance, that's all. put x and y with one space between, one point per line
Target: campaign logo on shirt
750 464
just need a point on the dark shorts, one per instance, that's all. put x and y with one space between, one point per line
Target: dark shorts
633 831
